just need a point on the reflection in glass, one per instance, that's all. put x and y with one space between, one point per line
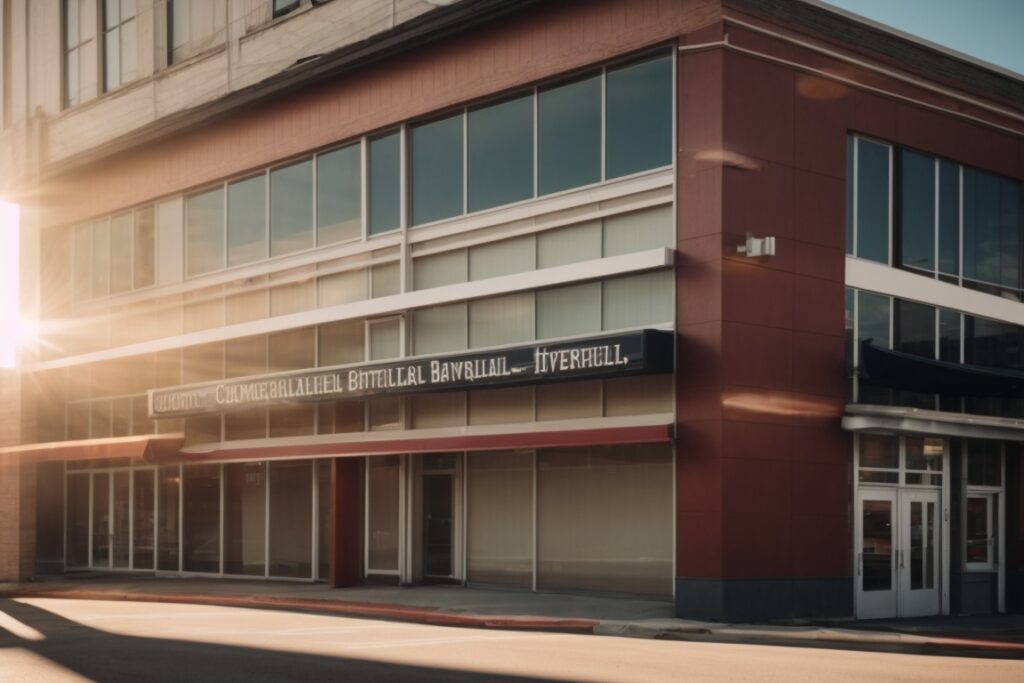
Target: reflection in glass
436 167
143 507
201 518
876 555
879 450
977 529
931 521
101 520
247 220
338 195
384 183
924 454
569 135
78 520
915 329
121 253
639 117
167 544
872 201
323 499
991 229
917 549
984 463
291 518
145 247
291 208
122 528
949 217
500 153
917 210
204 232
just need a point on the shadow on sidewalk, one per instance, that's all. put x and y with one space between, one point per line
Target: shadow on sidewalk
104 656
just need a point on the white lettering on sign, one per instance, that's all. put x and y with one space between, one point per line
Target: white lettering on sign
587 358
595 357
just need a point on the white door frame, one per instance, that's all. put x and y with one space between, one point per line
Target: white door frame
863 611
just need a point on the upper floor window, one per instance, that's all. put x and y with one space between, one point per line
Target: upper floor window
114 255
79 50
118 43
935 217
193 26
283 6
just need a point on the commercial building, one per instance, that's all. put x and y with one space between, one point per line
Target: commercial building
711 301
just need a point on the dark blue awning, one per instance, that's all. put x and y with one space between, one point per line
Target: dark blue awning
905 371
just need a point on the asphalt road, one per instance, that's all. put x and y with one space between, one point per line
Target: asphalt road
72 640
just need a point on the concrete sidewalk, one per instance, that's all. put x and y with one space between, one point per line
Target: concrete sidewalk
487 608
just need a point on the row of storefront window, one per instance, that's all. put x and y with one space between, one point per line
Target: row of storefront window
934 333
595 518
934 217
610 123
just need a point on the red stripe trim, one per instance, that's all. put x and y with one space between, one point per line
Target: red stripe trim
480 442
149 447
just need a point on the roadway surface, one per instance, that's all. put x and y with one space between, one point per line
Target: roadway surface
46 639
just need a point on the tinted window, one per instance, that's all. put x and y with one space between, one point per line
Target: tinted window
384 184
570 135
850 141
992 344
949 218
121 253
204 231
291 208
639 117
992 225
949 336
872 201
338 195
917 210
873 319
500 154
247 220
436 166
915 329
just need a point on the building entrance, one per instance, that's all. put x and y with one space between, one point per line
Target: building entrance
111 519
901 533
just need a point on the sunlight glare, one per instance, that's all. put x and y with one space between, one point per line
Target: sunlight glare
9 314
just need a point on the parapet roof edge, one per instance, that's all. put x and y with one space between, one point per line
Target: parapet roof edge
928 57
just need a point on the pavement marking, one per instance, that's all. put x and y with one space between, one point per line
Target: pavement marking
19 629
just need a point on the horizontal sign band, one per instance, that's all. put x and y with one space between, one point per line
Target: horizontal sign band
647 351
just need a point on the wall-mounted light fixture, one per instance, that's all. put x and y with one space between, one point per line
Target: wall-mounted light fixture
757 246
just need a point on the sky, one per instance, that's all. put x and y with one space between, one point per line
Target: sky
990 30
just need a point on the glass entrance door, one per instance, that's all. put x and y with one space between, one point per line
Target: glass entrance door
876 554
898 553
110 519
438 524
919 556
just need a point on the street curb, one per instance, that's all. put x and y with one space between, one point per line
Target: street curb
684 630
653 629
422 615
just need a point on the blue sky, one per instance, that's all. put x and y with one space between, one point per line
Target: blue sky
991 30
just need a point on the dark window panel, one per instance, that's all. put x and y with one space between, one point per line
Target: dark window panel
917 210
204 232
338 195
639 117
384 183
850 141
291 208
993 344
949 218
949 336
569 135
247 220
915 329
291 519
436 168
201 519
500 153
872 201
873 318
